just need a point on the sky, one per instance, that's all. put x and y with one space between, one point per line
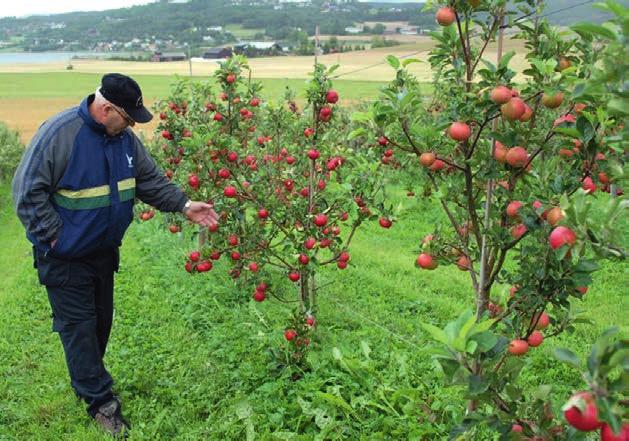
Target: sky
22 8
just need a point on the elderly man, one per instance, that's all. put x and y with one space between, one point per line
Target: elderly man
74 192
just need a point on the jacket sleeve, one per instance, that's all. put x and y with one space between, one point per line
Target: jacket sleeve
152 187
33 185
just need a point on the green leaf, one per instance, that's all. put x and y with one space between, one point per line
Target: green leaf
504 60
356 133
586 266
461 339
585 128
477 385
408 61
482 327
336 401
543 392
361 116
490 66
471 346
513 392
567 356
486 340
619 106
568 131
436 333
620 357
393 61
365 347
593 30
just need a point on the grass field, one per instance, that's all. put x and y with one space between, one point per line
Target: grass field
241 32
28 99
191 361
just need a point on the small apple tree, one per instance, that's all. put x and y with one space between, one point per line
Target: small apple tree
515 172
288 186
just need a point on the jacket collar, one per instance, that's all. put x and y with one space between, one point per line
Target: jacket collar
87 117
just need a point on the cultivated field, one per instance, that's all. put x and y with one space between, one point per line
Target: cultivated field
29 93
28 99
371 63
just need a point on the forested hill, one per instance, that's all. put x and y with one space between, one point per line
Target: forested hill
193 20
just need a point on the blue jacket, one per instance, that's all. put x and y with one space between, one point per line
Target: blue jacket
77 184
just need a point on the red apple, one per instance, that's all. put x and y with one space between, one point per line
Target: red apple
230 191
459 131
445 16
535 339
313 154
518 347
513 207
385 223
332 96
290 334
607 434
588 185
500 153
500 95
437 165
581 412
463 263
427 159
426 261
561 236
517 157
320 220
513 110
543 320
552 101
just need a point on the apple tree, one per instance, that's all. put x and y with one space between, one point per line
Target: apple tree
290 188
525 166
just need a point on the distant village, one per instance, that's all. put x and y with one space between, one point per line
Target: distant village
164 49
161 50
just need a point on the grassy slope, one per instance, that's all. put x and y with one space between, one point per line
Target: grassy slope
191 359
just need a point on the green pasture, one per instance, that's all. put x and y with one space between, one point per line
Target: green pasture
76 85
191 354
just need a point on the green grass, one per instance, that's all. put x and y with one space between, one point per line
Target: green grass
242 32
77 85
191 358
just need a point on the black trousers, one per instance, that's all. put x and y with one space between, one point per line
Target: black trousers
80 292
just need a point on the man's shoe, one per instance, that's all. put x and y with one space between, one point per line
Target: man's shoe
109 418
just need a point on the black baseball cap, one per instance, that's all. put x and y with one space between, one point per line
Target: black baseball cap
124 92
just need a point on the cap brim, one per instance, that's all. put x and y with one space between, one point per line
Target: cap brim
140 115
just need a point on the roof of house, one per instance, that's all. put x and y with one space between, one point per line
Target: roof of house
259 44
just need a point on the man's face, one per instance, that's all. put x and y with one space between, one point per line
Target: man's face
116 119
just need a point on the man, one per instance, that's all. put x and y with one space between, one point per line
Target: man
74 192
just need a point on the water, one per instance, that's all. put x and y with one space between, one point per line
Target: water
51 57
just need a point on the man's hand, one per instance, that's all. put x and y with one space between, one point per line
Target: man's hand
202 214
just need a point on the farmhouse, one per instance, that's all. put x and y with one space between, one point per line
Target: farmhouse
218 52
257 48
168 56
